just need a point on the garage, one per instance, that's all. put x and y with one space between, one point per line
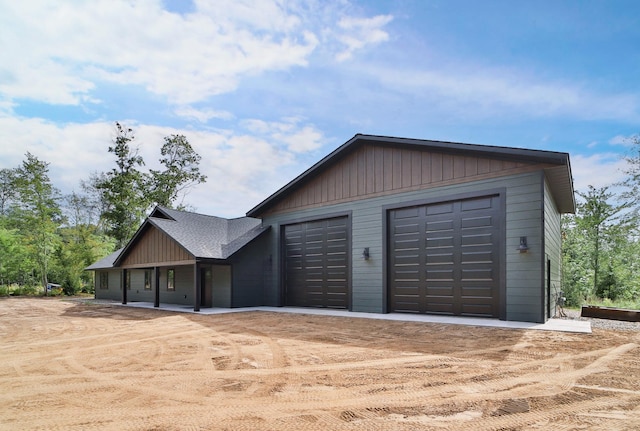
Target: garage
445 258
316 259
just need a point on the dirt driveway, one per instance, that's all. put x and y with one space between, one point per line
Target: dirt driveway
73 366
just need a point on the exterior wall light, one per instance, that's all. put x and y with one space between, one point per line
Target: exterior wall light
523 247
365 253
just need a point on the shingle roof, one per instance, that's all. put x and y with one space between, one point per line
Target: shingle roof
105 262
202 236
205 236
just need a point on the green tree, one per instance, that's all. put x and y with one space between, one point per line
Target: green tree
7 189
632 182
595 241
576 276
37 211
15 260
181 171
81 243
122 189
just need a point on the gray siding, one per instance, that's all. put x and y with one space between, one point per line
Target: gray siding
524 209
553 246
524 277
114 292
137 293
183 294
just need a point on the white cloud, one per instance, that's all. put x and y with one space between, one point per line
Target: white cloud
597 170
471 90
298 138
202 115
56 51
625 141
242 168
61 51
360 32
304 140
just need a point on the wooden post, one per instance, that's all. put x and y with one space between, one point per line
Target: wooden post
156 302
197 294
123 283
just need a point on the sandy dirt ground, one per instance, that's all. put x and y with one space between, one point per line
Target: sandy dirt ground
68 365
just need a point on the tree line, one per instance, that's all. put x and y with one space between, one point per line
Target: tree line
46 236
601 242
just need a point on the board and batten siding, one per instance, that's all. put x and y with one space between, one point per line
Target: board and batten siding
524 209
155 248
553 248
377 170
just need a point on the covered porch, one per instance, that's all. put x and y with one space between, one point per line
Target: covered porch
199 284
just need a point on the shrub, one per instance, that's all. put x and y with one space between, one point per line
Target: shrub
26 291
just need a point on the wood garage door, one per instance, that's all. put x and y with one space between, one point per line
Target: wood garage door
317 264
444 258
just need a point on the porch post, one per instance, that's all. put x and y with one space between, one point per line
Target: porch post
123 283
156 302
196 286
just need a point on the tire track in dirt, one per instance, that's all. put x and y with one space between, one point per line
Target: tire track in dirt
160 373
496 389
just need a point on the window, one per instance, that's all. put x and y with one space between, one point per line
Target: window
147 279
171 279
104 280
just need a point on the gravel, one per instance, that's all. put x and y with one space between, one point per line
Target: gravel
615 325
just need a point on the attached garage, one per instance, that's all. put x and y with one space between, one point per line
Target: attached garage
445 257
421 226
316 259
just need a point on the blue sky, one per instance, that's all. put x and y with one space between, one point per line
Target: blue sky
263 89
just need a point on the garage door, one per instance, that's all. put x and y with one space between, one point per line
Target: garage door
316 263
444 258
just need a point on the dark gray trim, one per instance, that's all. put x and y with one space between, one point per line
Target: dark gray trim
441 199
123 284
316 217
543 249
230 286
197 292
385 257
505 153
502 192
161 210
502 252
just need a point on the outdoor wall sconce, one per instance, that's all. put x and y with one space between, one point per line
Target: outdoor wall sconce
523 247
365 253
